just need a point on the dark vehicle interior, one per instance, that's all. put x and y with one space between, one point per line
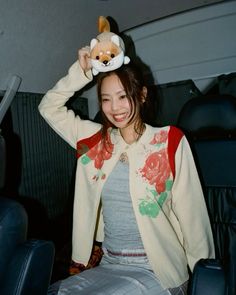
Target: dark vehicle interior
37 167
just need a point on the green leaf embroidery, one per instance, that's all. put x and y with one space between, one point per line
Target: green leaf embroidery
85 160
151 205
162 198
169 184
150 209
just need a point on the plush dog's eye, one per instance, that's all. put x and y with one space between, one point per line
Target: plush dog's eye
97 57
112 55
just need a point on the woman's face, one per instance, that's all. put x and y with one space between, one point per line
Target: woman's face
115 104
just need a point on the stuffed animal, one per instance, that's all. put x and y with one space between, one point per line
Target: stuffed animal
107 51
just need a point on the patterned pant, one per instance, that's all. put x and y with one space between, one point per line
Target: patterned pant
114 280
181 290
116 275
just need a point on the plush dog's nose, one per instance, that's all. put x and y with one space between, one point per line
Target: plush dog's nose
105 62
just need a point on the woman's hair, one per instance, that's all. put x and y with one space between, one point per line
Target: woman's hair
133 81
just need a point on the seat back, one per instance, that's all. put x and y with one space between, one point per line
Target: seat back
13 231
210 125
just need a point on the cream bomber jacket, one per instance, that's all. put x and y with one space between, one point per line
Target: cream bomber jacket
164 185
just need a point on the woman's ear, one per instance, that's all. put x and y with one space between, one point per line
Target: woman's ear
144 94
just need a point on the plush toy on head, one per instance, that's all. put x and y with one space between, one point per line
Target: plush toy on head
107 51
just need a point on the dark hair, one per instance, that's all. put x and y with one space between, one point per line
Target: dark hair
133 82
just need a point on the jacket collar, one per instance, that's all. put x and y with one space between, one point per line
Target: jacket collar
118 140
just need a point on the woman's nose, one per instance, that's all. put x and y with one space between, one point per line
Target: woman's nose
114 104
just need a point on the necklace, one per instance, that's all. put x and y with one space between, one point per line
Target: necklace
124 158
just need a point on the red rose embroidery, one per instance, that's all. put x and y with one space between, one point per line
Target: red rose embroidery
157 170
101 152
160 137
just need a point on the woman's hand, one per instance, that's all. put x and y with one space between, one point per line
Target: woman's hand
84 58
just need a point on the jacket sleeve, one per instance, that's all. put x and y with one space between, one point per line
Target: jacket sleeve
190 208
52 107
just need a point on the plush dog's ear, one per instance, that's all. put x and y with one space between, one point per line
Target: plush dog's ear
93 43
116 40
126 60
103 24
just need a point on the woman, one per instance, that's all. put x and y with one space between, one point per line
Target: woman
137 189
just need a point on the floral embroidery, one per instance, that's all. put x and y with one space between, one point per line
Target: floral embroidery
85 144
99 153
160 137
156 172
157 169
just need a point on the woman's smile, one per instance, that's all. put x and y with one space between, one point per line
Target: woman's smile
120 117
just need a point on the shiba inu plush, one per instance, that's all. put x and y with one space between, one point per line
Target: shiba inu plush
107 50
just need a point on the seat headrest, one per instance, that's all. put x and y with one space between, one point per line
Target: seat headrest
209 116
